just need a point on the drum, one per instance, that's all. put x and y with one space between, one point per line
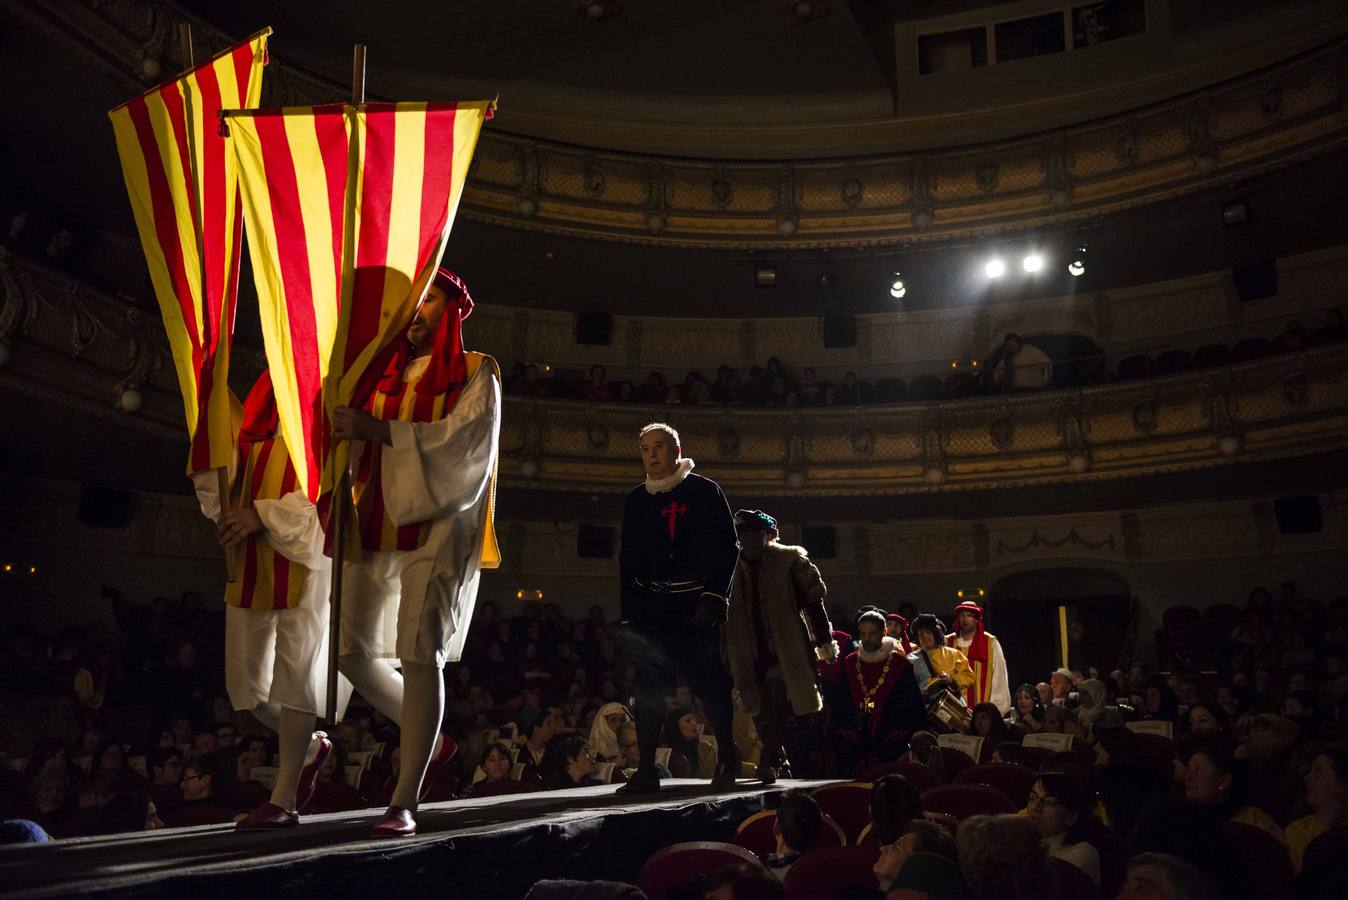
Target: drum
948 712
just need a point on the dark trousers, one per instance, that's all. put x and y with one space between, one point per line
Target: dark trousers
665 653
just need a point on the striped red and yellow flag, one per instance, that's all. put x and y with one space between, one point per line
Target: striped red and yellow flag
348 211
184 193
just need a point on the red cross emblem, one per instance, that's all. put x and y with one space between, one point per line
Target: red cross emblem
672 512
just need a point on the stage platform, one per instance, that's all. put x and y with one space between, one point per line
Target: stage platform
491 848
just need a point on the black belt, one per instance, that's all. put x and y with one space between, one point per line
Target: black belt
671 587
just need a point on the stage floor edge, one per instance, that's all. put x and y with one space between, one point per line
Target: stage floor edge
489 848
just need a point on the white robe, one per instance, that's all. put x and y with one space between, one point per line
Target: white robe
999 688
280 655
416 605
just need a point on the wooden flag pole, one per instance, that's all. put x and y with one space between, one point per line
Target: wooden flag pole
222 473
342 498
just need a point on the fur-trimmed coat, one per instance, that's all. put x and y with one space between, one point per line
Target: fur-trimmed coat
792 594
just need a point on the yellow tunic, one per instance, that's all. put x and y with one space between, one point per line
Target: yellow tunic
1299 836
949 661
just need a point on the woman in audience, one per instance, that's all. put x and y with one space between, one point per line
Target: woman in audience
1094 706
1002 858
1208 717
604 731
681 735
1057 808
569 763
1327 796
1214 778
1114 744
494 770
894 803
47 797
1027 712
1160 703
917 836
987 723
110 756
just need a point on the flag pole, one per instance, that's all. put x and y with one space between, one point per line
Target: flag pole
342 498
222 473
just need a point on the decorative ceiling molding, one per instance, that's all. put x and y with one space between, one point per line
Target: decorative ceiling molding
1271 118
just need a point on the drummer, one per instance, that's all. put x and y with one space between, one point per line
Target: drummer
933 662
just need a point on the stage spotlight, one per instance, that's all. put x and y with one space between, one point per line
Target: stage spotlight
1077 267
1032 263
995 268
897 289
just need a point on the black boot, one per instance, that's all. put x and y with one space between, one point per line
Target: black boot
727 769
767 770
643 781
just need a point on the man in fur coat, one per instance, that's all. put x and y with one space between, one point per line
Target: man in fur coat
777 630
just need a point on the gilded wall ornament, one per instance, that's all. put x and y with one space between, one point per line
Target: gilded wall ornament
594 180
986 176
721 192
852 190
597 434
1002 431
728 442
1145 415
863 441
1125 148
1297 389
1271 100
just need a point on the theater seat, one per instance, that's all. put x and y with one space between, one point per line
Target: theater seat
1066 880
679 864
1212 355
1172 361
755 833
848 803
965 800
1134 367
1265 860
831 874
922 777
1013 781
945 820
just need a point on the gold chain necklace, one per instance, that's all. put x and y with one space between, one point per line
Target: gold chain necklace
867 704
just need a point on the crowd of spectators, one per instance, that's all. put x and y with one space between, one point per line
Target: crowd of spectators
1239 753
1017 364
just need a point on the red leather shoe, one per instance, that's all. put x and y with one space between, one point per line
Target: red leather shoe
268 817
317 755
397 822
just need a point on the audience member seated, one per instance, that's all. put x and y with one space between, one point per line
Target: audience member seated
331 792
1057 808
538 727
569 763
629 753
796 828
917 836
1027 711
1159 876
604 731
894 803
682 736
987 723
1002 858
1327 798
200 804
1215 779
742 883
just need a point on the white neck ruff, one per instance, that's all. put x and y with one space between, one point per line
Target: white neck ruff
887 648
670 481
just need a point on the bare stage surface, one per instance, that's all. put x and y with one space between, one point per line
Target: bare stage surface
489 848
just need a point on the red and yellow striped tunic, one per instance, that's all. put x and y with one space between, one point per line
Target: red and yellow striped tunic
268 579
377 529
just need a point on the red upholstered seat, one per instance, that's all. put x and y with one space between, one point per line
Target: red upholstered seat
848 803
1265 859
831 873
922 777
755 833
1013 781
965 800
955 762
1156 749
681 863
329 796
1066 880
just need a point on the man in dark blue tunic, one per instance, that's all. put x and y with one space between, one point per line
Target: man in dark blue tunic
678 555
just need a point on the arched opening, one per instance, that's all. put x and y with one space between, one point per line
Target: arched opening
1046 616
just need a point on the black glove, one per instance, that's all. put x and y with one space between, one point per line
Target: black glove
711 611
